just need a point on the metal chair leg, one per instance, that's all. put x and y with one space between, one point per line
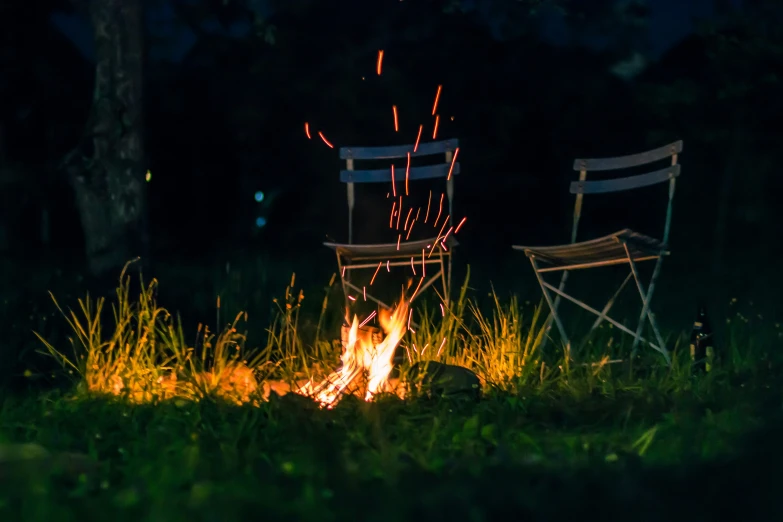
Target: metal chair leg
548 323
549 301
646 298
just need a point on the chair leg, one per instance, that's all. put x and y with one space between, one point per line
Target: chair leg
448 281
552 306
650 316
609 304
444 277
658 337
646 298
548 323
343 275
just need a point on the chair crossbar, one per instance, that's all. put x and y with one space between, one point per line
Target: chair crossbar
424 283
603 314
374 299
369 296
416 261
594 265
598 313
365 294
610 302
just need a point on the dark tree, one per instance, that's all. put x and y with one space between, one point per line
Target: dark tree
107 168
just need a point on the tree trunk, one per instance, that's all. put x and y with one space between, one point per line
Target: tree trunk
107 169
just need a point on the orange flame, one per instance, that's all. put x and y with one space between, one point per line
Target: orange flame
361 355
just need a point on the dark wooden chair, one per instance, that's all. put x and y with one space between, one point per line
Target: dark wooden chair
622 247
431 251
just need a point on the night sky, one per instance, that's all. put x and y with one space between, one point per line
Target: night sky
669 22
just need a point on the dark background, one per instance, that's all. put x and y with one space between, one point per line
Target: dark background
530 85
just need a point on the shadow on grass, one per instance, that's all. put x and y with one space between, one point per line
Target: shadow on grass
531 457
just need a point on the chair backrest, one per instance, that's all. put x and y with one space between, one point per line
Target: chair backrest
619 184
448 169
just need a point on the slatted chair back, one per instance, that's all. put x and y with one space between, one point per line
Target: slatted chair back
350 175
619 184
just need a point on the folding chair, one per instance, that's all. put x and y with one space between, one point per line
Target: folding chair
624 246
351 257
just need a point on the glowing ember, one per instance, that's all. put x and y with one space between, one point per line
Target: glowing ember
460 225
407 173
328 143
453 160
362 357
437 98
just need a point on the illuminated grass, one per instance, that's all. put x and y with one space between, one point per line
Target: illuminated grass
143 355
595 434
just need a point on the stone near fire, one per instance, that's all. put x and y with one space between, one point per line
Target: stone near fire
434 379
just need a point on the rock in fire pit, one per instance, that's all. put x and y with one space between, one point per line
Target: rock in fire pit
434 379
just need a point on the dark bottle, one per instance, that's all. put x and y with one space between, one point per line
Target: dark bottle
702 351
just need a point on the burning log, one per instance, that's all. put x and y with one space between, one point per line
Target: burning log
363 357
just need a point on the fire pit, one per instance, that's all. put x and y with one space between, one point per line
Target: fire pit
368 360
366 356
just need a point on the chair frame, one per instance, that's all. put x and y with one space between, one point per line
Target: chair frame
352 257
634 253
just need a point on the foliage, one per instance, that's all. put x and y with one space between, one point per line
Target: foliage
540 434
145 356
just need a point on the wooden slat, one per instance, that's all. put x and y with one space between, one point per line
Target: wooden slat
633 160
626 183
398 151
384 175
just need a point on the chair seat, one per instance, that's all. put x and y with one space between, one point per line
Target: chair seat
605 250
387 250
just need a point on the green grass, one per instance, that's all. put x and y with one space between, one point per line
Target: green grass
548 441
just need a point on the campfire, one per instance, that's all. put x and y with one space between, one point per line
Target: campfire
363 360
146 358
